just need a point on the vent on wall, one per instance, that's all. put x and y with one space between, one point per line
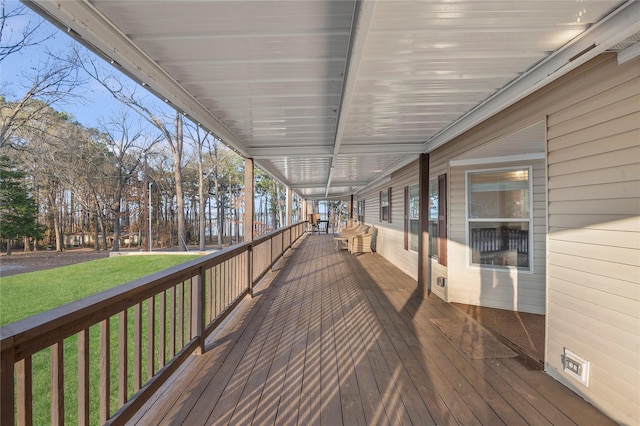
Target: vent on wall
576 366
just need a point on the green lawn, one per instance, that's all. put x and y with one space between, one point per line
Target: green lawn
27 294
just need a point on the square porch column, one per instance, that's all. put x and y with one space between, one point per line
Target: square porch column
249 195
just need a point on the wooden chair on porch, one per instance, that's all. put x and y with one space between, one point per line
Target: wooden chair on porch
314 222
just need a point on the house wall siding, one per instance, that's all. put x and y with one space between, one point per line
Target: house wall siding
594 237
390 238
593 214
490 286
591 195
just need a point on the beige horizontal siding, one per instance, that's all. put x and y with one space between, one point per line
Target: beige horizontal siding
390 238
594 235
607 222
496 287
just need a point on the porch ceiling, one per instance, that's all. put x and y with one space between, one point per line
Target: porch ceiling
329 96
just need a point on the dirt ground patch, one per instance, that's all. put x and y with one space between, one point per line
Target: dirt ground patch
21 262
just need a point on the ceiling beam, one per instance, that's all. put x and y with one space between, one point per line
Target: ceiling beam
362 18
279 152
376 149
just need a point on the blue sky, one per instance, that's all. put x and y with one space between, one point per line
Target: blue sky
97 103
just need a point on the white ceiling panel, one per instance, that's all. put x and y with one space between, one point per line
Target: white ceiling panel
330 96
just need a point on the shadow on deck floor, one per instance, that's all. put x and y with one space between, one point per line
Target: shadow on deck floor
521 331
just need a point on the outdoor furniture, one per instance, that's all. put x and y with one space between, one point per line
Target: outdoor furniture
314 221
323 226
341 243
361 242
358 229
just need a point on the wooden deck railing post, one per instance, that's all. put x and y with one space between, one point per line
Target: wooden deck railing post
105 370
83 377
197 311
271 253
250 269
25 391
7 381
57 383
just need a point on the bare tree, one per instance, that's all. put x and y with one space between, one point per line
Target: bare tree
126 144
46 83
14 39
204 144
172 136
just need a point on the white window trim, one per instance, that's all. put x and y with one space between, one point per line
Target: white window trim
530 220
409 218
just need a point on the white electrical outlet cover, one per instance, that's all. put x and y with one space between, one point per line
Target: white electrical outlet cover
572 359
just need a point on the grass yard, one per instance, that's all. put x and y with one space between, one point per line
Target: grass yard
27 294
30 293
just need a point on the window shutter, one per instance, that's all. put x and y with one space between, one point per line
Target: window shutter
389 197
442 219
406 218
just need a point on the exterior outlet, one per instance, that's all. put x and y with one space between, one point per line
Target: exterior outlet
576 367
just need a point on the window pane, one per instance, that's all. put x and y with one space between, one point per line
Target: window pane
414 216
499 195
433 239
499 243
413 234
414 202
433 199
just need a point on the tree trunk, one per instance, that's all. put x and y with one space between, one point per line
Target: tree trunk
116 228
202 205
176 152
57 232
219 209
96 240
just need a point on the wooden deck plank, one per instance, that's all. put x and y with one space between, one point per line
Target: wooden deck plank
544 412
407 406
331 411
456 406
266 410
342 339
309 404
350 397
493 389
292 386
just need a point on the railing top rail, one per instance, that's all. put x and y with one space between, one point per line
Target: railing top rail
42 330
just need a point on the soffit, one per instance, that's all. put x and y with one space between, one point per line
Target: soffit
530 140
329 96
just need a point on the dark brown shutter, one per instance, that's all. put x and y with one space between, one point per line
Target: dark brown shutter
389 198
442 219
406 218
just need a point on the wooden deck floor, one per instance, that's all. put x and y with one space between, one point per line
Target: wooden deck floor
340 339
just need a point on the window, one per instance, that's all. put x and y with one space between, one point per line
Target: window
413 216
361 211
437 218
385 205
499 217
